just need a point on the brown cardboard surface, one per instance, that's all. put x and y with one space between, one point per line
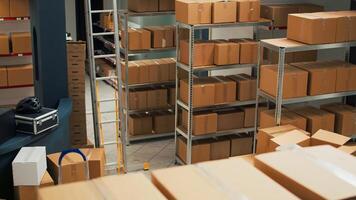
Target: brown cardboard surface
31 192
137 99
157 98
266 134
345 118
4 8
140 124
203 123
323 137
288 117
295 81
278 13
3 77
305 173
138 39
220 149
291 137
20 75
349 148
230 119
312 28
19 8
303 56
132 186
225 90
223 12
204 92
316 118
166 5
249 111
172 96
203 54
4 44
248 10
97 160
200 150
345 76
241 145
21 42
133 70
248 51
321 77
226 53
161 37
245 87
193 11
143 5
163 122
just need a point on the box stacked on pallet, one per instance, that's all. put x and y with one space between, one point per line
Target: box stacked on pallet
76 53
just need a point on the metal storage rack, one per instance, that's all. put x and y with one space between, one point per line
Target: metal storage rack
187 134
129 55
283 46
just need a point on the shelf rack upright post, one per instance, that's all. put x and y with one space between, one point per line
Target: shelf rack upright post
187 134
283 46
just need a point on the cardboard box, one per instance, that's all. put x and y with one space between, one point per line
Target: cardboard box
21 42
220 149
203 123
206 178
248 10
323 137
349 148
21 75
132 186
241 145
311 28
134 70
316 118
345 76
265 135
288 117
3 77
157 98
29 166
73 166
152 69
137 99
172 96
246 87
294 83
203 54
200 150
224 12
226 53
345 118
249 111
19 8
139 39
225 90
163 122
161 37
169 63
309 8
230 119
193 11
143 5
305 176
4 44
4 8
303 56
289 138
248 51
278 13
166 5
203 90
31 192
140 124
163 70
322 78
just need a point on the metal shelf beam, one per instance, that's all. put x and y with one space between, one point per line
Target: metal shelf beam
218 106
262 22
214 67
213 135
149 136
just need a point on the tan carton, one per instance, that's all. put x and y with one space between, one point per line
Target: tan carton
219 149
4 8
203 54
294 137
200 150
241 145
288 117
21 42
19 8
31 192
163 122
248 10
4 44
226 53
193 11
161 37
143 5
140 124
166 5
225 90
223 12
139 39
21 75
230 119
3 77
246 87
204 92
203 123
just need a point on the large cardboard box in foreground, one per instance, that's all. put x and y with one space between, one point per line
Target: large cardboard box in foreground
130 186
320 172
31 192
205 180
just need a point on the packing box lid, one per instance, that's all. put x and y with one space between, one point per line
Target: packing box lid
330 138
313 172
132 186
291 137
278 129
349 148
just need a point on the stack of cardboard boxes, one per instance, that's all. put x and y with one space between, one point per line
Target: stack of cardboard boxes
76 53
14 8
153 123
151 5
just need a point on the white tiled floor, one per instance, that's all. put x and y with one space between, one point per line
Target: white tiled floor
159 153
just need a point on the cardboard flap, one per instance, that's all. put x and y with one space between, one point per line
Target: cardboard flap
330 137
291 137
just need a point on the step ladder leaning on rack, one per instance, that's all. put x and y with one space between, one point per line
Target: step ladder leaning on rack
99 135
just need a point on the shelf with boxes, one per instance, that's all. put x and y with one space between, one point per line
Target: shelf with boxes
209 112
304 82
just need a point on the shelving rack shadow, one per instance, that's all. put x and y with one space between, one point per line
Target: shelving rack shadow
193 72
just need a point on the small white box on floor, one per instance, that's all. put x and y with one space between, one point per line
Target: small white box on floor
29 166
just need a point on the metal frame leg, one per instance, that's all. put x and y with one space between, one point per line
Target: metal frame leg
280 78
190 95
176 91
257 97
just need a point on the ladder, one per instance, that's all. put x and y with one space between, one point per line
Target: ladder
100 136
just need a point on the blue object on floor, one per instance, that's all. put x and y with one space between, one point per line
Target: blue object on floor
55 141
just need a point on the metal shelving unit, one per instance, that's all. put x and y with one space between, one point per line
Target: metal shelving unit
128 55
283 46
192 72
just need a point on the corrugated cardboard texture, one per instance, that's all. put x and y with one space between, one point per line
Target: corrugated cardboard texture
245 86
225 90
193 11
139 39
290 138
161 37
